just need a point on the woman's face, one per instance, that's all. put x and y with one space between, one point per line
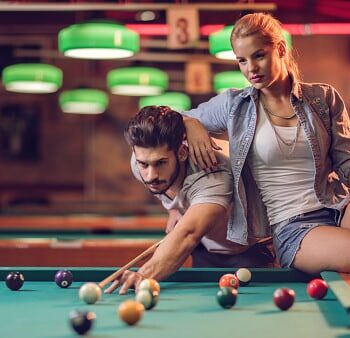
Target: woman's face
260 63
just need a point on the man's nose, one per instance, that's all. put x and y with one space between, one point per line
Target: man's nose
152 173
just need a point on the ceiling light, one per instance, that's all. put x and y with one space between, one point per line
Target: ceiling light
32 78
175 100
231 79
98 40
138 81
83 101
220 43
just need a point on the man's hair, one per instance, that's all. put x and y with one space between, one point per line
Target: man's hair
155 126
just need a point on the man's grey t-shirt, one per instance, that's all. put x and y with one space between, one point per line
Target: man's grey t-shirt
201 187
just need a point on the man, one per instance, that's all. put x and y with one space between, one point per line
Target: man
199 202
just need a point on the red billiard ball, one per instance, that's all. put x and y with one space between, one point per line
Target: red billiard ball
229 280
14 280
284 298
317 288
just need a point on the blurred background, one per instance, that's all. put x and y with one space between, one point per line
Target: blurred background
72 75
54 161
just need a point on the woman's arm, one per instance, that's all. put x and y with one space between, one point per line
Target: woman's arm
210 116
340 128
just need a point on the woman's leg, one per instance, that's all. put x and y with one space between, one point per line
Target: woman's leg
345 222
325 248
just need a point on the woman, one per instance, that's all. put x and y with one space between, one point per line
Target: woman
289 149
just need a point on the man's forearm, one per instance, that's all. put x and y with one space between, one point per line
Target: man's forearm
170 255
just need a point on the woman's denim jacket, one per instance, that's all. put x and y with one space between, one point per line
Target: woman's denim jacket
325 120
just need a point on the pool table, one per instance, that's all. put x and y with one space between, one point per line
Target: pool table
187 307
76 240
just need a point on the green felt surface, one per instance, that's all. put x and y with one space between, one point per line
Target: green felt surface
185 309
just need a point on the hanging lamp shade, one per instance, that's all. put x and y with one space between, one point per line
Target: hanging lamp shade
83 101
137 81
288 37
231 79
175 100
220 43
98 40
32 78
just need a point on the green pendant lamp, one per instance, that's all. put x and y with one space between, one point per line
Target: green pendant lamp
34 78
83 101
220 43
231 79
175 100
98 40
137 81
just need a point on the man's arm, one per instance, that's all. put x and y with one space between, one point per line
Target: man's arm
176 246
173 219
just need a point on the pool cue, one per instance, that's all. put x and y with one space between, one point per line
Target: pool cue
137 259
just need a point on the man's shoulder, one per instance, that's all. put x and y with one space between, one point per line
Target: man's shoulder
222 173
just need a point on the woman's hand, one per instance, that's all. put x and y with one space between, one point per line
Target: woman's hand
200 145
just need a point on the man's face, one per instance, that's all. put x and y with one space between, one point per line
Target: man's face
159 167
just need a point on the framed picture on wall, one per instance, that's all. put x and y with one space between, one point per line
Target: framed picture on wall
20 132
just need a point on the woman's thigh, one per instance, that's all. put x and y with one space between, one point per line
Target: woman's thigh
324 248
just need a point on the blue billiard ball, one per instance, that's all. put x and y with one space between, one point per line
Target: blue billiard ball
14 280
63 278
81 321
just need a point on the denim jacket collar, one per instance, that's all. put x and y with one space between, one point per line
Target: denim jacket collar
254 93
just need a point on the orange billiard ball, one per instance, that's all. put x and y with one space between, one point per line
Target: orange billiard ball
229 280
130 311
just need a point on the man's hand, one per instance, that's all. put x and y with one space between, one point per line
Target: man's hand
126 281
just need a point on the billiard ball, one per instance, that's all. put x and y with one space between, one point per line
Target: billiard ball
90 293
147 298
63 278
14 280
227 297
130 311
284 298
81 321
229 280
317 288
150 284
244 276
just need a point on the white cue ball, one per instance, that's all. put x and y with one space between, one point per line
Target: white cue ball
90 293
244 276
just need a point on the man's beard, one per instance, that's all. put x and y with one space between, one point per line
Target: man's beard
172 179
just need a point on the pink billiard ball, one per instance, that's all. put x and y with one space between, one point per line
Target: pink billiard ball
317 288
229 280
284 298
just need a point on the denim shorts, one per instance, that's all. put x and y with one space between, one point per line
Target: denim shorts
288 234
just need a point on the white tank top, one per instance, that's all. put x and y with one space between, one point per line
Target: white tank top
285 179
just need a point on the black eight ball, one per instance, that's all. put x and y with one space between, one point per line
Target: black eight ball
81 321
14 280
